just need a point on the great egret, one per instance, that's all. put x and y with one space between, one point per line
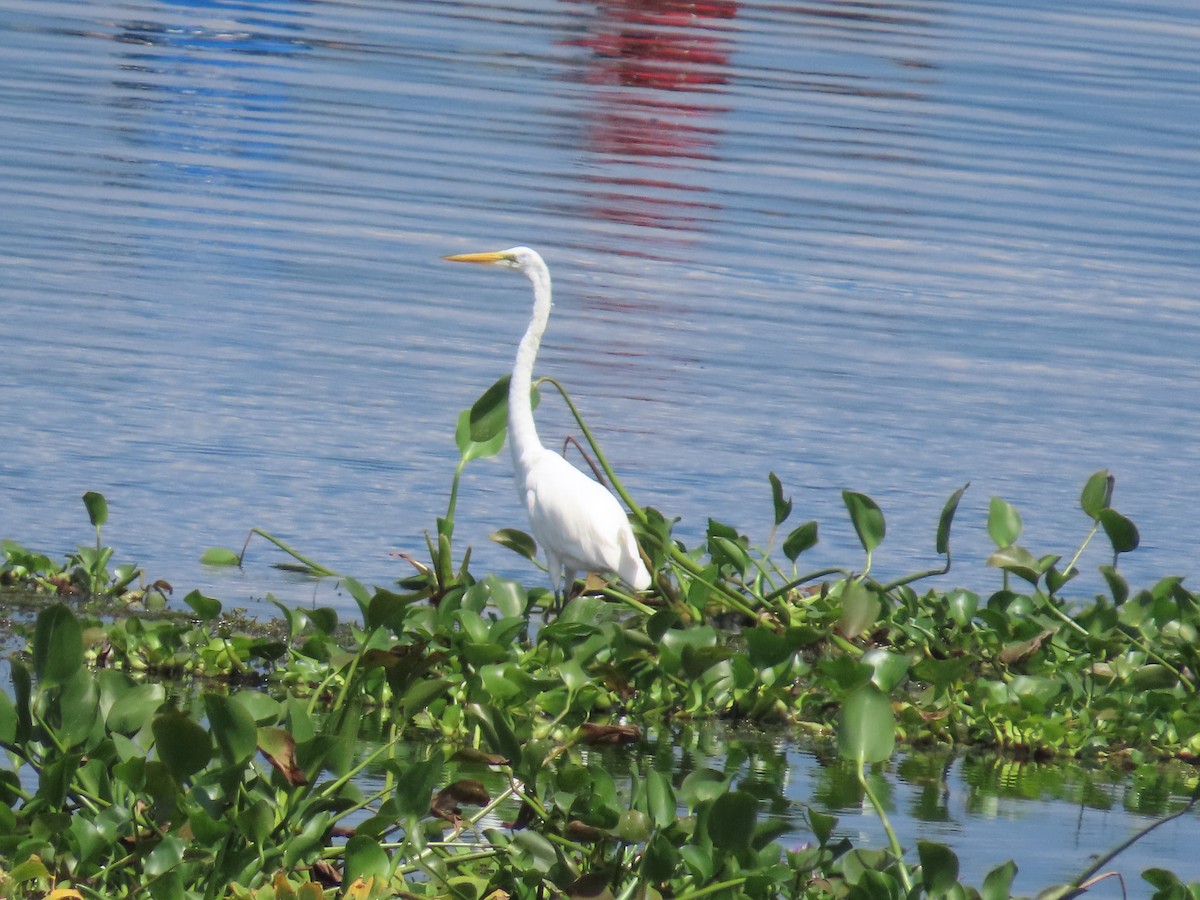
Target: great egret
578 523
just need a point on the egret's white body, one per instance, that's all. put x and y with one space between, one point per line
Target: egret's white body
577 522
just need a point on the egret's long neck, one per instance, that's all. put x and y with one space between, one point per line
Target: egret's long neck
522 433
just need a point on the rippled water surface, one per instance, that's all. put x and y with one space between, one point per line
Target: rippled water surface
892 247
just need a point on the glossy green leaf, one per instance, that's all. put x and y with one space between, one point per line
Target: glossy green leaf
659 860
766 647
497 730
890 669
324 618
8 720
220 556
1004 522
939 867
947 518
516 540
182 744
732 820
57 646
470 449
507 596
660 798
97 508
1034 692
166 855
1121 531
1097 493
79 704
822 825
701 785
782 506
488 416
1017 560
961 604
232 728
421 693
134 706
867 726
364 859
1117 585
205 608
860 609
867 519
997 884
537 850
802 538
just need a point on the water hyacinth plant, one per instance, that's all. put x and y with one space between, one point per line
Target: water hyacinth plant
437 745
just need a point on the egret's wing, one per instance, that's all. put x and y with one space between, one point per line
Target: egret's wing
581 521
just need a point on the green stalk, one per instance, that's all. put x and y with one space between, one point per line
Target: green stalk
893 841
316 568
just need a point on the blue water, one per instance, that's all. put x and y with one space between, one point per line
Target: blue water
888 247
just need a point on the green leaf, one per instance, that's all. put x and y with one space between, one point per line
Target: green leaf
507 596
801 539
701 785
997 885
470 449
1121 531
867 519
516 540
97 508
1019 561
220 556
206 608
488 416
660 798
783 508
135 708
947 517
961 604
659 861
537 849
232 727
1117 585
1097 493
57 646
766 647
1004 522
165 856
732 820
822 825
867 726
890 669
423 693
182 744
325 618
860 609
939 867
8 720
365 859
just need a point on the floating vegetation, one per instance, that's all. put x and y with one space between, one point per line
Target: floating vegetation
236 770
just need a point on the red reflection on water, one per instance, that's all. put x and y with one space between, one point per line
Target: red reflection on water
659 44
660 62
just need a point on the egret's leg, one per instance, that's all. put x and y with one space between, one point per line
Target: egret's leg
554 564
568 587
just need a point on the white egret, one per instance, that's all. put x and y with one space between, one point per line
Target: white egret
578 523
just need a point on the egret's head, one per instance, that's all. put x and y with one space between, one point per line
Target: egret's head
521 258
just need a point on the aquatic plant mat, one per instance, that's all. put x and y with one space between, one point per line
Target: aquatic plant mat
444 742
